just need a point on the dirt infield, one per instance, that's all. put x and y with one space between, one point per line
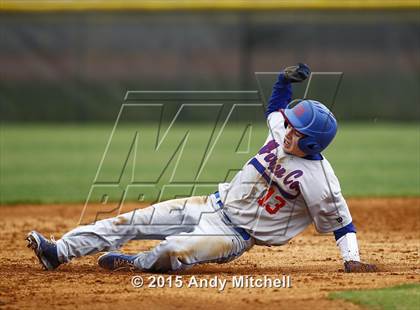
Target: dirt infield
388 232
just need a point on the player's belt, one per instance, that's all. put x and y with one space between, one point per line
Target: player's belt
239 230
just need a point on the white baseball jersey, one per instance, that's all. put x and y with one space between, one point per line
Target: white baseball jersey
276 195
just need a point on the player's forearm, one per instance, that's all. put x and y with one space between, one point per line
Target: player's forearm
349 248
347 242
281 95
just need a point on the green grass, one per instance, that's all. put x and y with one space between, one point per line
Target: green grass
58 163
403 297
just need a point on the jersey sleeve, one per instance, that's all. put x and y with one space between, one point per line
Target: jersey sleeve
326 204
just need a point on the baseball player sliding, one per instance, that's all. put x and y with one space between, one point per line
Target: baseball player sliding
285 187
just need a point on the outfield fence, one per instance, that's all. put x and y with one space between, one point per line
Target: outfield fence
75 60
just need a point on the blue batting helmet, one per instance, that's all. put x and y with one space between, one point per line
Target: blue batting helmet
315 121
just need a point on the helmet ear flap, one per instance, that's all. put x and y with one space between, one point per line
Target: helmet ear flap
315 147
309 146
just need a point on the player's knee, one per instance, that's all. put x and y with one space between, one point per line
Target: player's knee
170 256
177 249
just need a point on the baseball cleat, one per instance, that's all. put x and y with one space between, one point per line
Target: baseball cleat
44 249
116 261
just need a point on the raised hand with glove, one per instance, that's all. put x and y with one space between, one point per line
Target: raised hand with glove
282 89
296 74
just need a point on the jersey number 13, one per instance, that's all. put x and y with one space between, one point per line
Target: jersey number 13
280 202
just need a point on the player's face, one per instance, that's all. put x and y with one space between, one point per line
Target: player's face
290 143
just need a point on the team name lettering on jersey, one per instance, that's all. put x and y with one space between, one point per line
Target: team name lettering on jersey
278 170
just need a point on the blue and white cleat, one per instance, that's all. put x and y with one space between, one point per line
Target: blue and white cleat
45 250
115 261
